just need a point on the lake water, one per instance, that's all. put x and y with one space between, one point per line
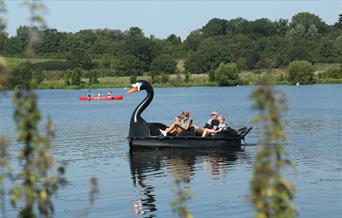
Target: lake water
91 138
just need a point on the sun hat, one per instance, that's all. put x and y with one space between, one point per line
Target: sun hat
213 113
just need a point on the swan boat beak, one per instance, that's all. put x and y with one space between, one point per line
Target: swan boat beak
134 89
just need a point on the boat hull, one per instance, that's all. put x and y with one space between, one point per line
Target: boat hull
105 98
184 142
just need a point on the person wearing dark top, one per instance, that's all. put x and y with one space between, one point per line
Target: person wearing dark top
212 122
211 125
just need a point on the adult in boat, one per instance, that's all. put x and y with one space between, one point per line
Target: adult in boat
89 94
221 126
110 93
184 124
212 124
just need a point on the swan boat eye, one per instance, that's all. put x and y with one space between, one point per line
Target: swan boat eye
137 85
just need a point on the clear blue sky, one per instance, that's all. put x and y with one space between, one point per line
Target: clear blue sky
162 18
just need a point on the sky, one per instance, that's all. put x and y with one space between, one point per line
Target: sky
161 17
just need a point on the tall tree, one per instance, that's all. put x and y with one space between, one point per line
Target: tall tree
215 27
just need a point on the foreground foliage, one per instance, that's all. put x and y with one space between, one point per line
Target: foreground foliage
271 194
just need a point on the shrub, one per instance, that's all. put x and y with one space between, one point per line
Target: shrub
334 73
187 76
76 77
227 74
301 71
154 77
66 77
93 76
211 76
38 76
133 78
164 78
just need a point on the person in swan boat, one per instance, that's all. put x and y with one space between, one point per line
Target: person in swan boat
221 126
184 124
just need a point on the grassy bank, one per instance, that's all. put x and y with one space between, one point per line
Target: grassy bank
54 79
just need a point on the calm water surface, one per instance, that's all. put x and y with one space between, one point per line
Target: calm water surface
91 138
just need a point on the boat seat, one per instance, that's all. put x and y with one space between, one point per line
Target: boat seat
154 128
189 132
227 133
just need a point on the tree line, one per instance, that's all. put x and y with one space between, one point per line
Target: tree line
257 44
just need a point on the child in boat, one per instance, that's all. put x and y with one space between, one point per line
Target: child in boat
110 93
223 125
182 123
175 128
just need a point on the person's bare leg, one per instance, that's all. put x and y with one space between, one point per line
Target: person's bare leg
171 128
178 130
204 133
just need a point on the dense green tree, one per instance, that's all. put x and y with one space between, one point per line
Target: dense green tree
3 39
302 72
210 54
262 27
20 77
163 63
49 42
238 26
129 65
80 58
308 20
339 21
215 27
193 40
173 39
142 48
227 74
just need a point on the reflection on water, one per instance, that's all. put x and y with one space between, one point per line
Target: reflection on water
146 165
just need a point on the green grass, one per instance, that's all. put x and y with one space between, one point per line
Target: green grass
124 81
16 61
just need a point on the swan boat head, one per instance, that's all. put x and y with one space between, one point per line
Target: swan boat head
138 126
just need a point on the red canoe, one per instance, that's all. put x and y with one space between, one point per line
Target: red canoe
107 98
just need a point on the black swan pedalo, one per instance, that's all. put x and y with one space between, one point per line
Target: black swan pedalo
147 135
